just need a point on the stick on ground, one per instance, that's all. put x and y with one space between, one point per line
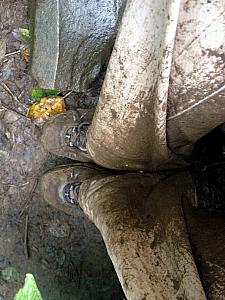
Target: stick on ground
25 241
7 89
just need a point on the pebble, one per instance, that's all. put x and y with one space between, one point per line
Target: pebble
59 230
4 263
4 142
2 48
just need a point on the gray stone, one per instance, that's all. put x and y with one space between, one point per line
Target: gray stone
59 230
4 142
72 40
4 263
2 48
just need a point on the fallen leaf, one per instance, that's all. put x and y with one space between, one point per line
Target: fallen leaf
26 54
9 274
2 48
37 94
29 291
47 107
25 32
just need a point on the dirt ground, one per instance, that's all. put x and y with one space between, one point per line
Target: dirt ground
66 255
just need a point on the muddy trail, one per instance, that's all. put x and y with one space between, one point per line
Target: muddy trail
66 255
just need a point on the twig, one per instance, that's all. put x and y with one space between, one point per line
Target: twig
67 94
79 275
212 165
20 184
7 89
30 196
12 109
25 241
14 185
12 53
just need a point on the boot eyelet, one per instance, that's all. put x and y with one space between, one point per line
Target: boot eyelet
75 137
71 193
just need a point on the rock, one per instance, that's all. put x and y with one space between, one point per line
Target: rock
11 117
2 48
2 125
4 142
58 229
72 40
4 263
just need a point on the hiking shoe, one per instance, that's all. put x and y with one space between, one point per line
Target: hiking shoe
60 187
65 134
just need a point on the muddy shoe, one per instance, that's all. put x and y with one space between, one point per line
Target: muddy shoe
60 187
65 134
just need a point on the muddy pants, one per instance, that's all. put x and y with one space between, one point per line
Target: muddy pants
152 231
164 89
164 86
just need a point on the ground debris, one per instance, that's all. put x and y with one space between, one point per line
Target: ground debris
47 107
2 48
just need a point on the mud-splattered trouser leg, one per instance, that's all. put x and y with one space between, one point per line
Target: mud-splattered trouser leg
164 86
142 219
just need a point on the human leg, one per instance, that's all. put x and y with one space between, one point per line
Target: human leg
207 236
196 91
133 112
141 221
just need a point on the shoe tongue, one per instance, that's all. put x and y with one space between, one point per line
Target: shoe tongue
73 137
71 193
82 139
75 193
78 136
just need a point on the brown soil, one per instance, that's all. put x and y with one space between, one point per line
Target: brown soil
66 255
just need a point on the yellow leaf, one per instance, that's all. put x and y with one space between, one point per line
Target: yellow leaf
47 107
26 54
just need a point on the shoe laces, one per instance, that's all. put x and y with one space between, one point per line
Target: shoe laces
71 193
76 136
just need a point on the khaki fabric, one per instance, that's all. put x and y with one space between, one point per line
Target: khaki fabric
141 221
197 80
153 234
164 86
129 126
207 237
